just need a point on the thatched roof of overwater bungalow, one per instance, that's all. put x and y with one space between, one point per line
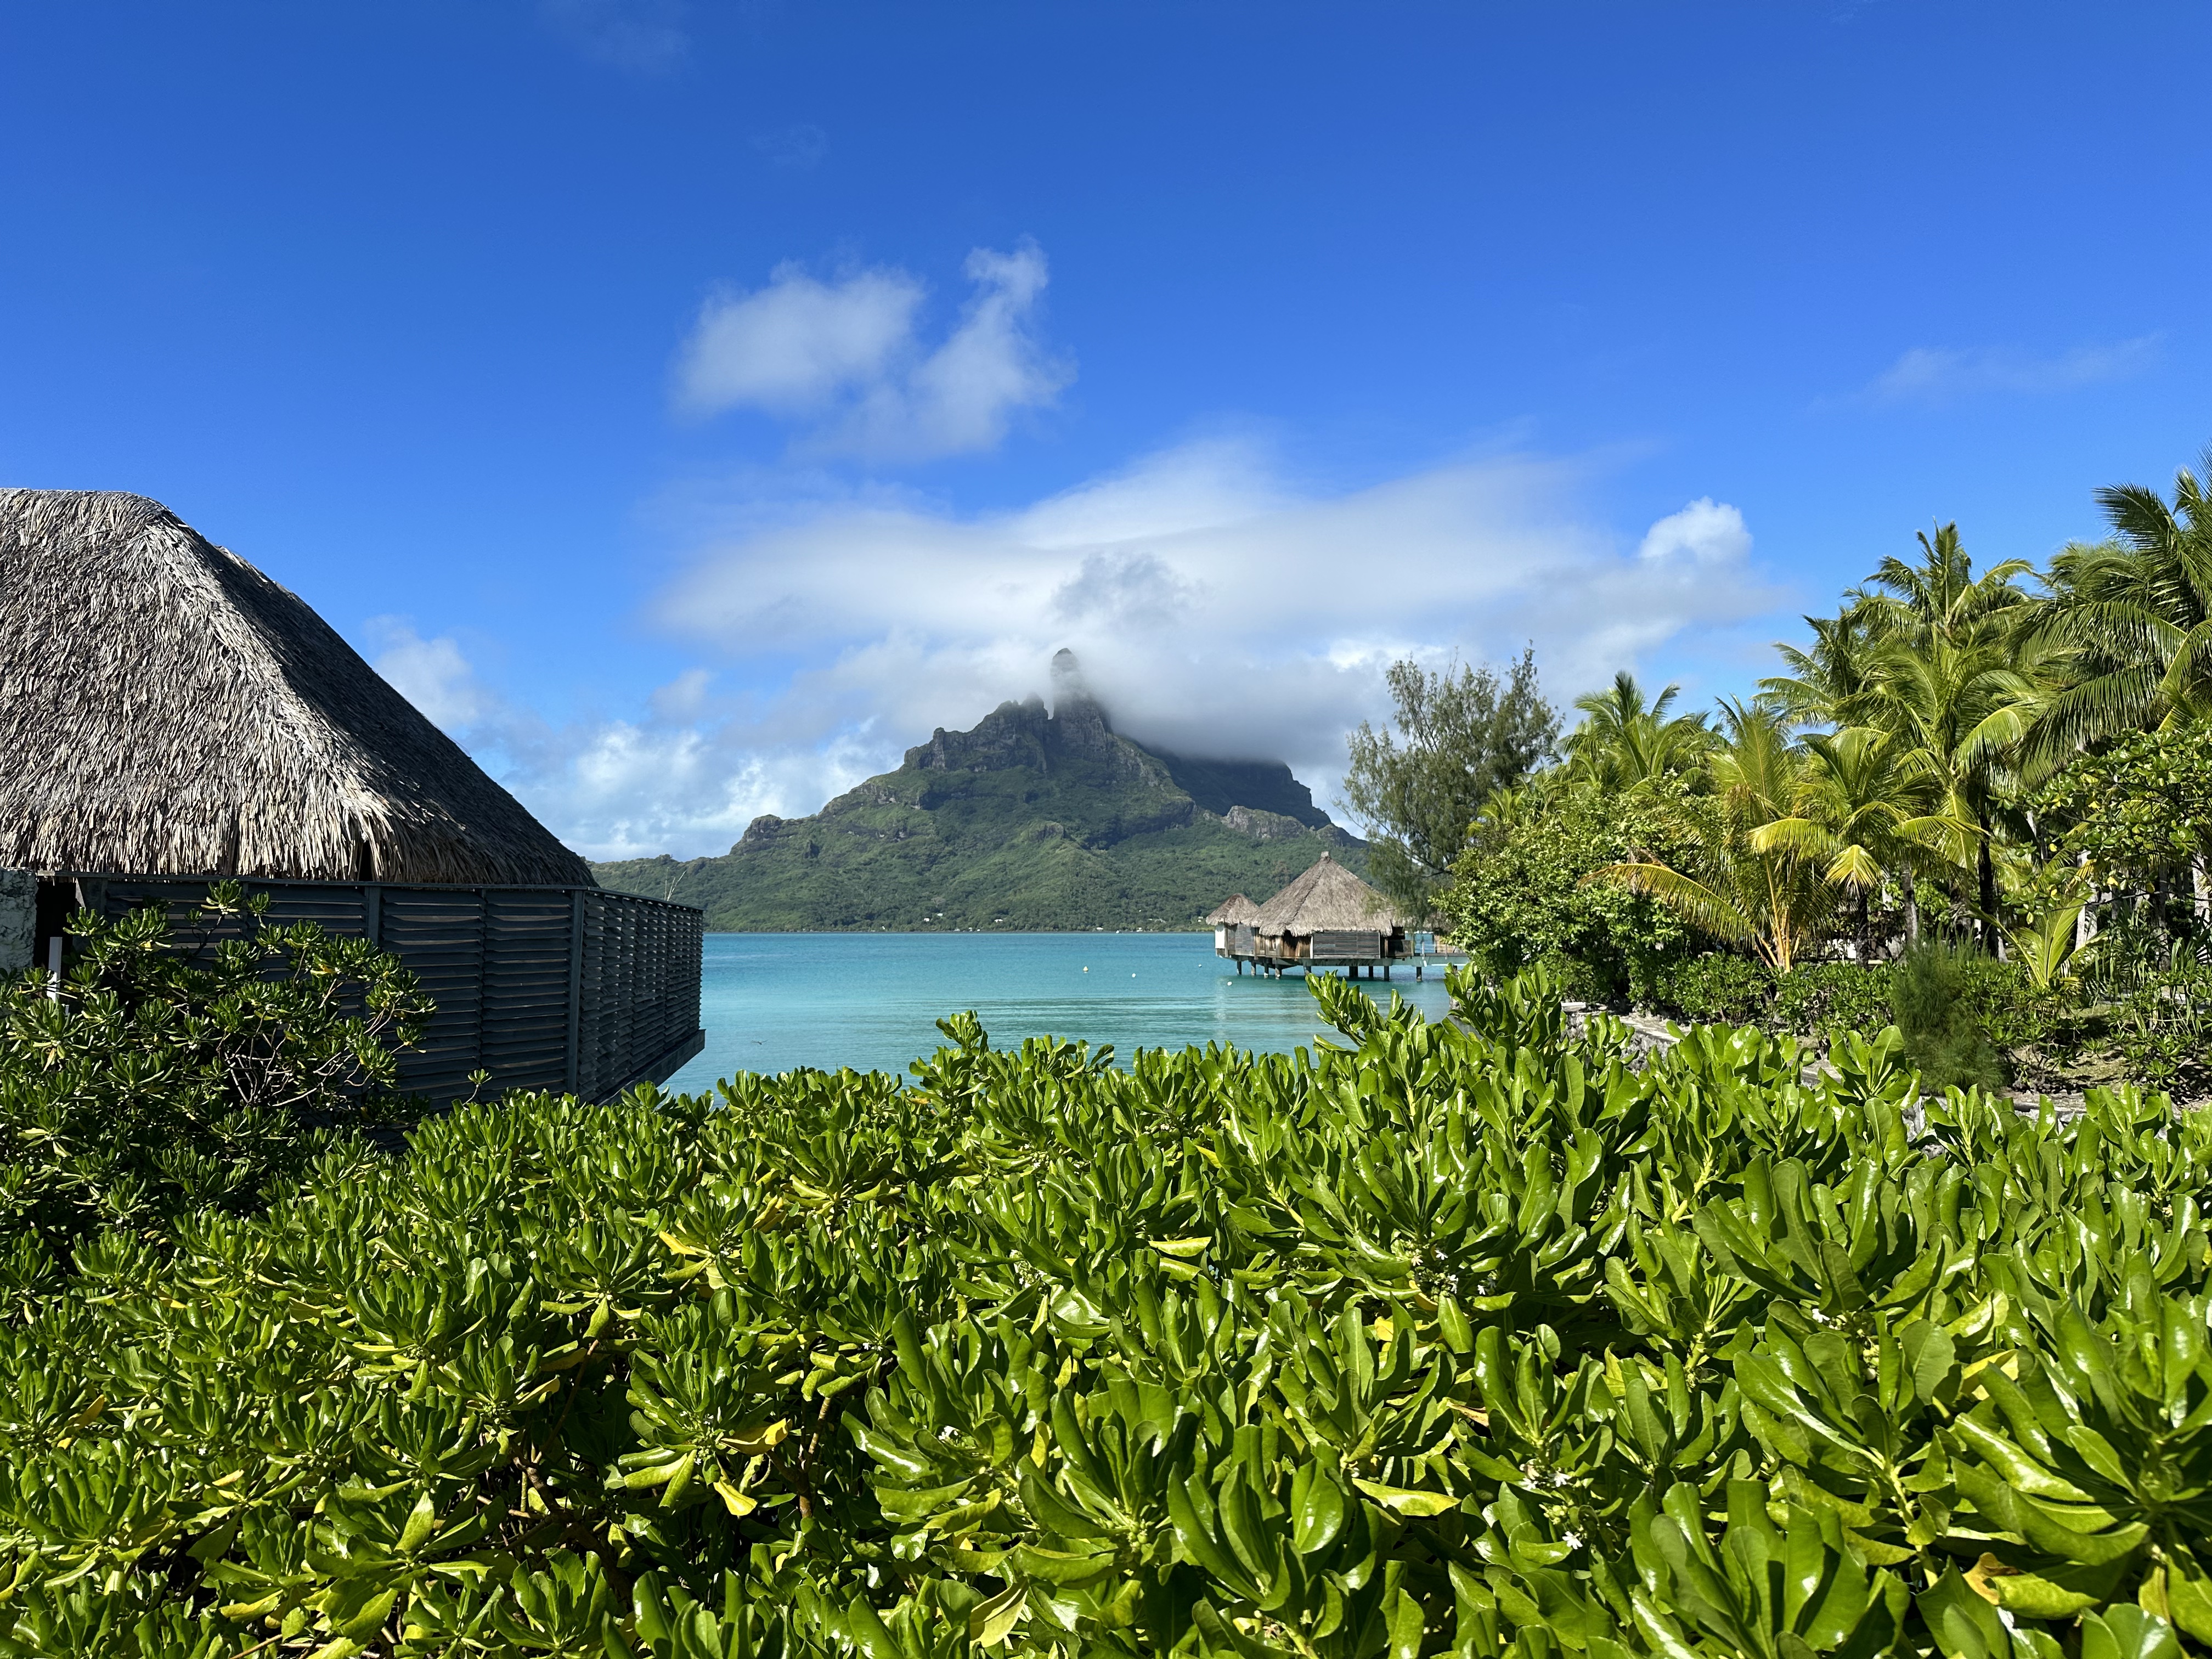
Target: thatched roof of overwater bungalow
1327 898
1232 912
167 710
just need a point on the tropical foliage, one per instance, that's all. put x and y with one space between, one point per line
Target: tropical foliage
2133 614
1455 737
2016 762
1524 900
1462 1338
178 1070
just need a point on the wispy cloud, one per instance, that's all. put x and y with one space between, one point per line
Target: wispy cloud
643 36
431 674
846 358
1929 374
795 147
685 776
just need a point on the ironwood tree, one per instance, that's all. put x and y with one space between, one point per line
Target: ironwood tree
1456 735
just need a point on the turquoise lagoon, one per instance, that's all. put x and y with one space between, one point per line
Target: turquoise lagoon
771 1001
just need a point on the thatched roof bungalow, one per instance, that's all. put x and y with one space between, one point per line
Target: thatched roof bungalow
169 716
167 710
1328 898
1231 911
1325 916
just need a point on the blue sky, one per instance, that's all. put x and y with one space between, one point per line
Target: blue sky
692 405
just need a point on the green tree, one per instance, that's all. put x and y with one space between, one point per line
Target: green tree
1940 598
1950 679
2134 616
1518 897
1829 681
1748 878
1959 709
1460 735
2142 811
1870 810
1943 1038
1624 742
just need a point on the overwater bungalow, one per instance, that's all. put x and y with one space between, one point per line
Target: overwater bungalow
1226 918
1326 918
170 717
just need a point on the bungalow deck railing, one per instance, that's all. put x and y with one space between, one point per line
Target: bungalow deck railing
572 989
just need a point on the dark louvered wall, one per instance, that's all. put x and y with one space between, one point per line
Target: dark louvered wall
526 980
569 988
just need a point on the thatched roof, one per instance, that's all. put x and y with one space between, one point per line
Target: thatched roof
167 710
1327 898
1229 913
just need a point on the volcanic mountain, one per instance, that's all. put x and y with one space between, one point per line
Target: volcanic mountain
1033 820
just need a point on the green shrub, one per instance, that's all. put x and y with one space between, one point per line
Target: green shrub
1943 1023
1714 987
1518 899
2162 1029
166 1075
1582 980
1461 1338
1811 1000
2146 999
1825 997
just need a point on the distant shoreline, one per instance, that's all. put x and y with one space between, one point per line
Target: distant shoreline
1000 932
908 928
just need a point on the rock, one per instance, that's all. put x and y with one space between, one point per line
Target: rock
1263 826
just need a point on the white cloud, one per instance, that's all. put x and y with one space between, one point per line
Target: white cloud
848 357
689 776
1929 374
795 346
1705 532
647 36
431 674
1219 608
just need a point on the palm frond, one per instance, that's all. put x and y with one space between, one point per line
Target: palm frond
1692 901
2128 700
1794 838
2139 515
1855 867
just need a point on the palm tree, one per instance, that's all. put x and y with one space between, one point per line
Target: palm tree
2134 616
1940 598
1870 810
1827 684
1949 678
1762 892
1626 743
1515 806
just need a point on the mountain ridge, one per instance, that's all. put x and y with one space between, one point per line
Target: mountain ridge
1030 820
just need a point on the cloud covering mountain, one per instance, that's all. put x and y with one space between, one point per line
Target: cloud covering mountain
1221 608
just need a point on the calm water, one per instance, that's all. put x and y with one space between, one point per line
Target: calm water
771 1001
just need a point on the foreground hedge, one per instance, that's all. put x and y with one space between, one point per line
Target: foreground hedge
1466 1340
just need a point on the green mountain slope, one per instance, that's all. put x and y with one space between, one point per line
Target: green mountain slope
1031 820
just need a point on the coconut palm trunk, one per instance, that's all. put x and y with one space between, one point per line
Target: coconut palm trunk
1985 875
